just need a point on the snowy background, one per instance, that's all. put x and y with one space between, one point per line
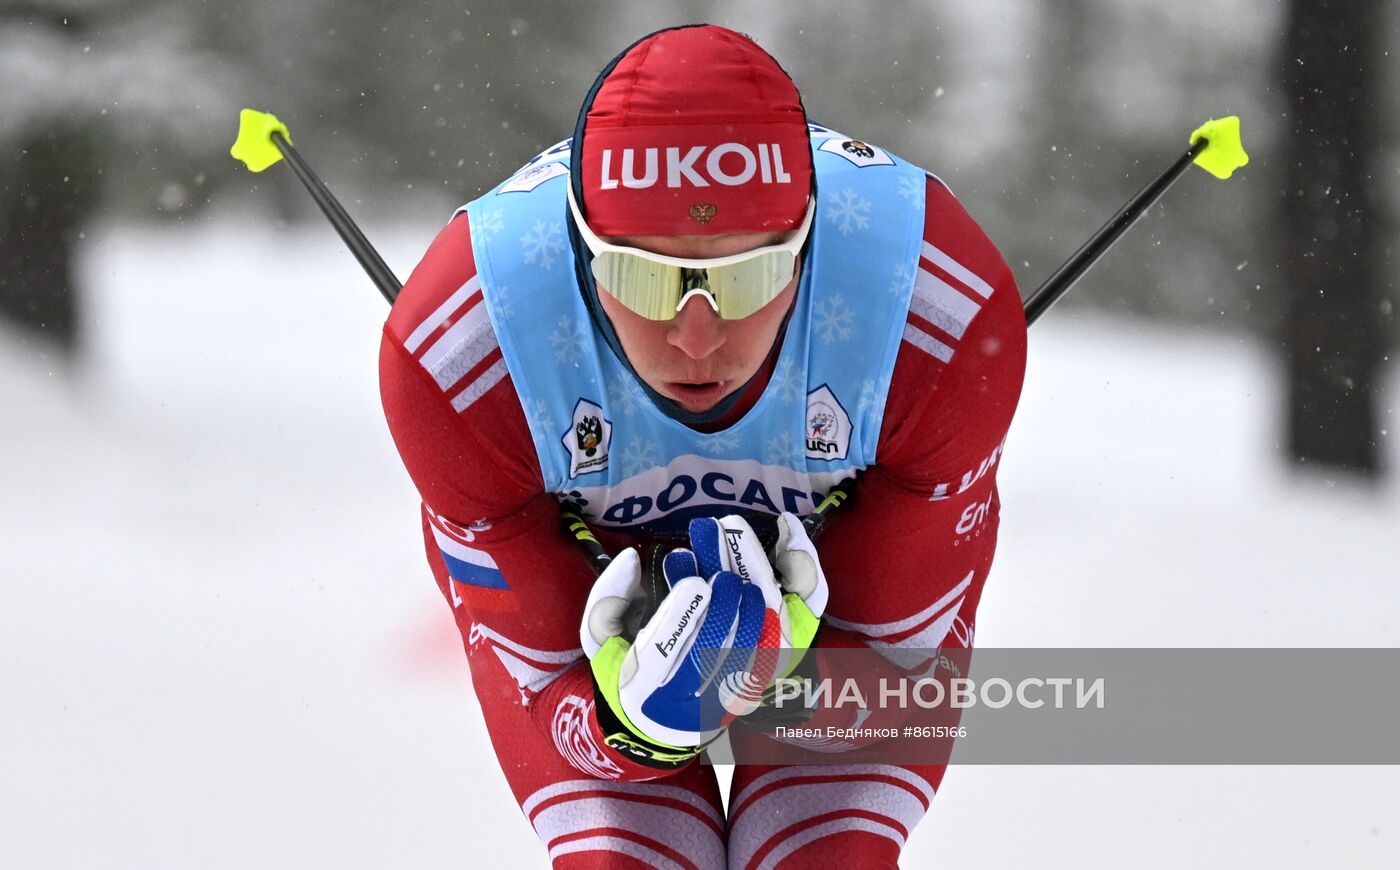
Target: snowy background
221 646
219 643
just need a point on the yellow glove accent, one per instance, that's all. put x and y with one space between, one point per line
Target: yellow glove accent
607 668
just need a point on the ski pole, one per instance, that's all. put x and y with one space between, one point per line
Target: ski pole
1215 146
262 141
576 528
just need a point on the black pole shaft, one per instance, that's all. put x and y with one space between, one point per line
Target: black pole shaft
815 522
1049 293
374 265
1074 268
576 528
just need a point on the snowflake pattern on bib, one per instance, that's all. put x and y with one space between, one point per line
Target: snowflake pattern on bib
542 244
816 422
848 210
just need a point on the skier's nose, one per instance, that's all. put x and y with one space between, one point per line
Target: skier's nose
697 329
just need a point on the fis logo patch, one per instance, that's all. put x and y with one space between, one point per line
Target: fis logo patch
587 439
828 432
860 153
532 177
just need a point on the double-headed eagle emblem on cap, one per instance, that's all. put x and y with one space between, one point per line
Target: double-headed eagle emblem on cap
702 212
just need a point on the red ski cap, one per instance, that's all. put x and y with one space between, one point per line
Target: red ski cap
694 131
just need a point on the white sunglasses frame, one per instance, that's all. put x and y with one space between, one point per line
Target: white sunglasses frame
596 246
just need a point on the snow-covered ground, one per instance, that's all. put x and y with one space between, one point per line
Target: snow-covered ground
219 646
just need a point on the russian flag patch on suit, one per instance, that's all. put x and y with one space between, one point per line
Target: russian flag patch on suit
467 565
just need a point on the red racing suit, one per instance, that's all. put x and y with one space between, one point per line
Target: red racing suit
907 561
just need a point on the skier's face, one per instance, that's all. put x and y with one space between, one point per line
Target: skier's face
697 358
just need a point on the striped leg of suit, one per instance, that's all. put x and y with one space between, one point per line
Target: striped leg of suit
590 823
848 816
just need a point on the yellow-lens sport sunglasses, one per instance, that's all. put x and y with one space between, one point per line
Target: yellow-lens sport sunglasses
657 287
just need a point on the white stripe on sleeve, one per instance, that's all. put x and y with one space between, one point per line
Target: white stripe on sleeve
927 343
441 313
957 270
936 301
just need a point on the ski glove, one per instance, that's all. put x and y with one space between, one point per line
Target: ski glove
804 591
671 681
804 598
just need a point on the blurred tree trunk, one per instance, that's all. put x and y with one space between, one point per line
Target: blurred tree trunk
1333 326
48 188
49 185
1068 164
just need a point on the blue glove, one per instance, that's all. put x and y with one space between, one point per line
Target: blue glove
675 682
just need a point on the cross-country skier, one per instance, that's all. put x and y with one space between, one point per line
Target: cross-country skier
693 318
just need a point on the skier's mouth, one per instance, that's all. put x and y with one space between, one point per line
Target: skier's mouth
697 395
